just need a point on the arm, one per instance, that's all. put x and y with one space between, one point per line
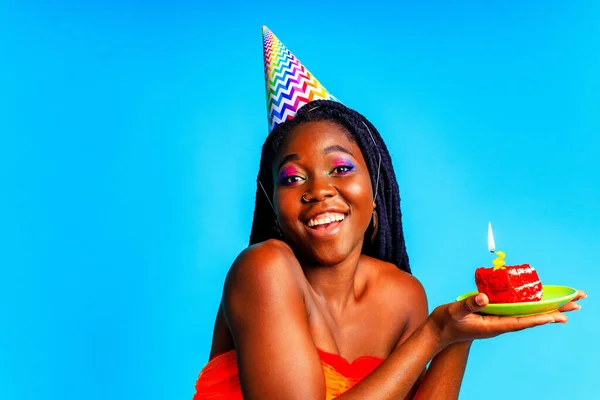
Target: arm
444 376
445 373
398 374
417 345
264 309
445 336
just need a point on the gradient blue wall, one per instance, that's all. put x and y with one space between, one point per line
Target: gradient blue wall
130 135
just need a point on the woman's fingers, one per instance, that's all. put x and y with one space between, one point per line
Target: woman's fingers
472 305
559 317
520 323
465 322
499 325
572 305
580 295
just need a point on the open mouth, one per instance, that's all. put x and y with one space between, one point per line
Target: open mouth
325 220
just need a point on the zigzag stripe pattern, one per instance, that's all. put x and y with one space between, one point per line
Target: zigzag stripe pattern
289 84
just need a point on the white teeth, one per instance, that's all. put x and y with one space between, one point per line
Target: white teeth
325 219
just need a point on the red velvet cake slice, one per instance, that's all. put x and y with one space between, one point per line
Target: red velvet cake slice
509 284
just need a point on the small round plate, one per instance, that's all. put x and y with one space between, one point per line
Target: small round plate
553 298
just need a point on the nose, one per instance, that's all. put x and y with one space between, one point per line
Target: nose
319 190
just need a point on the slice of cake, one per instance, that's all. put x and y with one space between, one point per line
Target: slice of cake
509 284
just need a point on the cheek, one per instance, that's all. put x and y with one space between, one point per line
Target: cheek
360 194
287 206
359 191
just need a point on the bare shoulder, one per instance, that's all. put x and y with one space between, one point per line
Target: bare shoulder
260 274
249 279
401 295
265 252
263 305
398 287
266 260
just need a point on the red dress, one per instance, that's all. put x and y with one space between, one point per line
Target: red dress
219 378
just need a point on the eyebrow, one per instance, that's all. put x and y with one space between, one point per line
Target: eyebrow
289 157
328 150
337 147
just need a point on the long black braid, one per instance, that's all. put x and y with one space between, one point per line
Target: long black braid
389 242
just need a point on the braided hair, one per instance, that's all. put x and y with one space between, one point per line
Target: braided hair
388 244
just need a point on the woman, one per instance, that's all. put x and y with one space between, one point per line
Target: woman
322 304
329 278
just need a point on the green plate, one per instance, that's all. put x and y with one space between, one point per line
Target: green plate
553 298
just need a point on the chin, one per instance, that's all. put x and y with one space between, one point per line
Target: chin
326 255
324 251
328 260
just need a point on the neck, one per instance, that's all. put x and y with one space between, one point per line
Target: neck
339 284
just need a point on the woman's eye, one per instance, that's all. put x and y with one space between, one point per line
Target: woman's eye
290 180
342 169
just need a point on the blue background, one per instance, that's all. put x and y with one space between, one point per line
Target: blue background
130 137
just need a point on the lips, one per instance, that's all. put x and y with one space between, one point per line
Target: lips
325 223
325 218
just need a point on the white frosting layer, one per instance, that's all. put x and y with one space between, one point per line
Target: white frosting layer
538 295
527 285
519 271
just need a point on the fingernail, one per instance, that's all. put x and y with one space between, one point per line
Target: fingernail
578 306
479 300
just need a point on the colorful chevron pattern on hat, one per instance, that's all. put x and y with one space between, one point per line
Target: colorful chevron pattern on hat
289 84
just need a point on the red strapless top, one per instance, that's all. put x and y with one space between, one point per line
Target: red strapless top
219 378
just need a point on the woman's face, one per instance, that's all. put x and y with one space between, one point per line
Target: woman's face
317 160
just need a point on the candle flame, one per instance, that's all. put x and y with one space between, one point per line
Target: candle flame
491 243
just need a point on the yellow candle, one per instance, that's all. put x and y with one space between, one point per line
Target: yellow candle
498 262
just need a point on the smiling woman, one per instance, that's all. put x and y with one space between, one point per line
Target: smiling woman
322 304
353 155
322 188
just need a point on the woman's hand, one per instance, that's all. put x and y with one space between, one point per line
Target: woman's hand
572 305
458 321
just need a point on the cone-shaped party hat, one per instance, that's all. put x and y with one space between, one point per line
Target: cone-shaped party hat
289 84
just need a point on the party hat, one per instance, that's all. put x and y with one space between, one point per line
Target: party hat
289 84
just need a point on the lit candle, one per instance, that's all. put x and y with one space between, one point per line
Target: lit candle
498 261
491 243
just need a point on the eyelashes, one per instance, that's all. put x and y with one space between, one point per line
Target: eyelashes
343 166
343 169
290 180
290 176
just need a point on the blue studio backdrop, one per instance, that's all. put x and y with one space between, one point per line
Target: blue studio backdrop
130 137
